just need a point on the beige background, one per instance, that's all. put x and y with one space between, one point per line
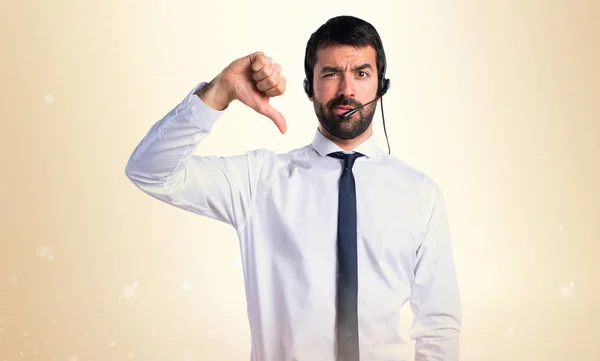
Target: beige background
497 101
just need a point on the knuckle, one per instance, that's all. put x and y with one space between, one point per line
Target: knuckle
271 81
263 85
268 70
274 91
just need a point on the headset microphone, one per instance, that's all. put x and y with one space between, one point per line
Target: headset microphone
352 111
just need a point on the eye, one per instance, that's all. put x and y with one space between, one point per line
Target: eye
327 75
362 74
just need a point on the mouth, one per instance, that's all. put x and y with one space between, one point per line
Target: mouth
341 109
344 107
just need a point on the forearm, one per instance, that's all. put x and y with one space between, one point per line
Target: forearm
166 148
216 94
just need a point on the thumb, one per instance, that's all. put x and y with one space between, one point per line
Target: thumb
277 118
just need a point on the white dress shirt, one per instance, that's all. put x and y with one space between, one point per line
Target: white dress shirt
284 210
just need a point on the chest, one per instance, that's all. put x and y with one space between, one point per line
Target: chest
300 208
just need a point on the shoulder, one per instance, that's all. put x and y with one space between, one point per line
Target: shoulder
412 175
268 158
410 179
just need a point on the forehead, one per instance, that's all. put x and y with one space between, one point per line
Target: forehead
342 55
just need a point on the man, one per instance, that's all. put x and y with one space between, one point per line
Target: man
335 236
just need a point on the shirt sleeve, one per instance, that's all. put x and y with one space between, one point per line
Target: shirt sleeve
163 165
435 299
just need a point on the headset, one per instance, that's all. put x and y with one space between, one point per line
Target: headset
383 85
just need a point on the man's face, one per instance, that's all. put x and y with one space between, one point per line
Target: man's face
345 78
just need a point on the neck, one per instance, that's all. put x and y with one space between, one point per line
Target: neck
348 144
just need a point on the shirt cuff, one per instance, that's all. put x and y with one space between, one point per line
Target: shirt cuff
197 112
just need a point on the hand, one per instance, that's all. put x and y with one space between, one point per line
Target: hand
253 79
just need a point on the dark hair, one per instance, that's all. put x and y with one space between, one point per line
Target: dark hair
343 30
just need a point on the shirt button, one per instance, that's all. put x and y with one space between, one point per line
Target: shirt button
193 109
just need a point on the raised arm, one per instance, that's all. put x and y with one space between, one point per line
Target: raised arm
164 166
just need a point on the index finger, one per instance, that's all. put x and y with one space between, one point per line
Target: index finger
259 61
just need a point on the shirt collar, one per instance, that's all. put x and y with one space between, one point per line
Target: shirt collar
324 146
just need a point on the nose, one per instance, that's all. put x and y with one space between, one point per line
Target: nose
347 87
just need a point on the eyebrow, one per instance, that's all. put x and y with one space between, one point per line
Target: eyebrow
335 69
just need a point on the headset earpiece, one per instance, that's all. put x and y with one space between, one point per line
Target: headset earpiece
385 86
308 88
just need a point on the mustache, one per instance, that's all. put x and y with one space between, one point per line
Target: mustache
343 101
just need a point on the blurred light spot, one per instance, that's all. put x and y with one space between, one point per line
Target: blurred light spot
128 291
130 354
13 280
2 330
186 286
561 227
49 98
135 284
25 334
566 291
510 332
112 343
43 252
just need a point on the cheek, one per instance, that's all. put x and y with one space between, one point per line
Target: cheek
367 88
324 96
321 94
325 90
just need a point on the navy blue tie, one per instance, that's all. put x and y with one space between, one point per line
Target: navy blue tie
347 289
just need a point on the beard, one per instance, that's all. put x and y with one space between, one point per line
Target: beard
342 128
